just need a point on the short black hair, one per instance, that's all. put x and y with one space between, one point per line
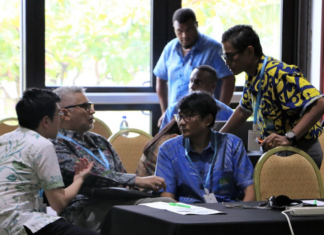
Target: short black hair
182 15
210 70
242 36
35 104
199 102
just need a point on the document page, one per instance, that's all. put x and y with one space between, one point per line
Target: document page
182 208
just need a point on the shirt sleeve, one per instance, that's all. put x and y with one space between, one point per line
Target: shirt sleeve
295 93
167 117
224 112
47 168
161 69
99 177
245 102
165 170
243 168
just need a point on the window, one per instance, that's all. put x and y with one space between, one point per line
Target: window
215 17
10 57
102 43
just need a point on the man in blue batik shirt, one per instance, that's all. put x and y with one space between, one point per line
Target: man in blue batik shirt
202 78
202 165
184 53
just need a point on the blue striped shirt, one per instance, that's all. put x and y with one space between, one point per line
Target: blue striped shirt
231 173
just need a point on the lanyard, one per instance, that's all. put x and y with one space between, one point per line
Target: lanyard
105 163
210 168
257 104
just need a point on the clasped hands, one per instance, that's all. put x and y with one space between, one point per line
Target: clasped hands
274 140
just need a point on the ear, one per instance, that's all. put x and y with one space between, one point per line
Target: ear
66 116
208 120
213 87
250 50
44 123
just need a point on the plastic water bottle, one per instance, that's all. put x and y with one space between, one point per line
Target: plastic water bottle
124 125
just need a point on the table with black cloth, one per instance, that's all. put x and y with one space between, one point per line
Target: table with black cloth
143 220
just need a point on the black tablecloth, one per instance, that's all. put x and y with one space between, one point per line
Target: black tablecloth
142 220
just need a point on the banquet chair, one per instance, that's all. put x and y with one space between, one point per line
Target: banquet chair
101 128
321 140
8 125
296 176
129 144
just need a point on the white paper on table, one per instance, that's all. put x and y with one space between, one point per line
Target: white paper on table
312 202
193 210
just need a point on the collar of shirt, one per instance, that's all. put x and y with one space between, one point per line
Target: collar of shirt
77 137
211 143
254 81
197 46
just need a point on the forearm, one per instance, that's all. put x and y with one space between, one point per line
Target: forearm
236 120
59 198
309 119
166 194
249 193
227 90
162 91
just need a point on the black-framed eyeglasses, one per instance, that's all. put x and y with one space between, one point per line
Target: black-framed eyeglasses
229 56
87 106
185 117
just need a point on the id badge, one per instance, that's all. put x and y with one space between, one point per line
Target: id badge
209 197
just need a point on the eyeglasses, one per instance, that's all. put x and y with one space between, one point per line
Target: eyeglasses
185 117
229 56
60 113
87 106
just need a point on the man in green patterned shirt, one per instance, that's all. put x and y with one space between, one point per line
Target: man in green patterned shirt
28 163
290 107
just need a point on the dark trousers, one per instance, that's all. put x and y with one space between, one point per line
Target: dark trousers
61 227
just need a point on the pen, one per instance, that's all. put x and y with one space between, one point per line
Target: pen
315 202
175 204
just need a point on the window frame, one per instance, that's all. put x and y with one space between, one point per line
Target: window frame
161 33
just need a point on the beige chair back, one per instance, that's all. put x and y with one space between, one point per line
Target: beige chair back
321 140
295 176
101 128
130 148
8 125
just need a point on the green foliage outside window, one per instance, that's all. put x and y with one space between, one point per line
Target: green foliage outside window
107 42
96 43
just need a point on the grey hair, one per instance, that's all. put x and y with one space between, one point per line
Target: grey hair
66 93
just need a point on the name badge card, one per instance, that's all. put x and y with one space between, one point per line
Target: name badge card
209 197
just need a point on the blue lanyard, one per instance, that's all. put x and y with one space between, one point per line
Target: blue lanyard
210 168
105 163
257 104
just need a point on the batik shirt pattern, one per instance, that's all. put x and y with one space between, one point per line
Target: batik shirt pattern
27 163
285 96
69 152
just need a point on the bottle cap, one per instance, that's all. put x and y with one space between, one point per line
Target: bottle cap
124 117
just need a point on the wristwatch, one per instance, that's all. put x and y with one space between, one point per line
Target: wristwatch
291 136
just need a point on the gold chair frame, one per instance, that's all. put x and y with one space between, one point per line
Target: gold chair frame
268 154
129 160
4 128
